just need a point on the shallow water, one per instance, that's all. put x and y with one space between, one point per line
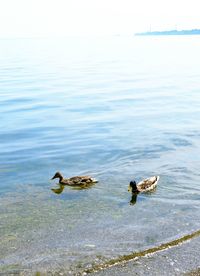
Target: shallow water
116 108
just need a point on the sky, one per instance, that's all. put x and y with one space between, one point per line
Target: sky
41 18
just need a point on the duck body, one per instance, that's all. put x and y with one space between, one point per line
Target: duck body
145 185
75 180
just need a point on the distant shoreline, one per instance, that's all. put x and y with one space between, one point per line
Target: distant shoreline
171 32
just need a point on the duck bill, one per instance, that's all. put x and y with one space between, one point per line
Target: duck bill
53 177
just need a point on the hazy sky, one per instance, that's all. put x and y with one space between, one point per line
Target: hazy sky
85 17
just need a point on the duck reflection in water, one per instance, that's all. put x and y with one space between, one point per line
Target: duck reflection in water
141 195
58 190
62 187
134 198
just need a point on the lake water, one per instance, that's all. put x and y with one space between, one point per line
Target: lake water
116 108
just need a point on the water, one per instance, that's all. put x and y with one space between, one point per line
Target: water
115 108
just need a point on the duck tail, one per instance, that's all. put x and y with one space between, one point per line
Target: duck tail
157 177
94 180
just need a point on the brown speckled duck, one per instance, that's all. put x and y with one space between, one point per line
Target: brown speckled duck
75 180
145 185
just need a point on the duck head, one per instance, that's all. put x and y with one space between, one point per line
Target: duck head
57 175
132 187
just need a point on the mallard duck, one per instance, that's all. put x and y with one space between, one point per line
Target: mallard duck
145 185
75 180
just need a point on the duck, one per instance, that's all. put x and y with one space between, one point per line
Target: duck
75 180
145 185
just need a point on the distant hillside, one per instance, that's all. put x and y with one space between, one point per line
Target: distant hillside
173 32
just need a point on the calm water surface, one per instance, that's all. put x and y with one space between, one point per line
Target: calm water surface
116 108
